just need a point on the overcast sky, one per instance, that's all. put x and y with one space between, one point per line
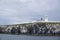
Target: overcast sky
18 11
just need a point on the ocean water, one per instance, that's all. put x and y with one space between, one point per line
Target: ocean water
27 37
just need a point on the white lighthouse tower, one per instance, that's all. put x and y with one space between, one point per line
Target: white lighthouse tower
46 18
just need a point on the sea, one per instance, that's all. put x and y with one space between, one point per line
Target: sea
27 37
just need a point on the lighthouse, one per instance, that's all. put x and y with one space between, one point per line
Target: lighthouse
46 18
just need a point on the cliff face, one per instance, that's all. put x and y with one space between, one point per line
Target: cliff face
34 28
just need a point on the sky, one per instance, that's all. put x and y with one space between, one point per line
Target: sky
19 11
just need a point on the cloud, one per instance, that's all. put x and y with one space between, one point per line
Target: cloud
18 11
